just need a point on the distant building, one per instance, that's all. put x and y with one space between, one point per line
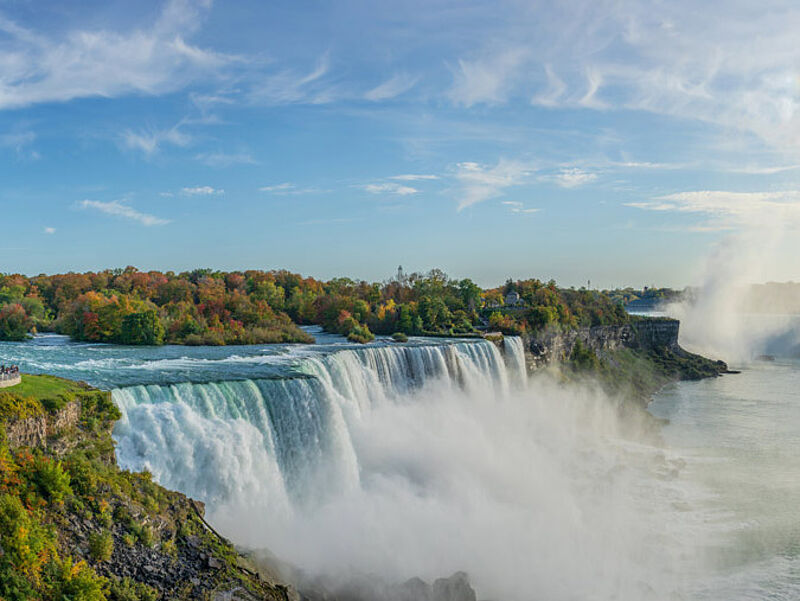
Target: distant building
513 299
492 303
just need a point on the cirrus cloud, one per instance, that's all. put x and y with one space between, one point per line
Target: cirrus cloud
120 208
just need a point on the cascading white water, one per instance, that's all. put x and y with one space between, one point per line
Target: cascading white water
285 442
404 461
514 351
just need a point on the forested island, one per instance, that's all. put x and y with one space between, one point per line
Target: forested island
206 307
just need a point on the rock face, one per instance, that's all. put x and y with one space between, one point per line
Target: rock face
555 346
35 431
454 588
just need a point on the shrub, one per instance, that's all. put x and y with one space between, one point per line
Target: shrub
78 582
50 479
583 358
399 337
144 534
101 545
193 340
168 547
26 547
14 407
126 589
83 475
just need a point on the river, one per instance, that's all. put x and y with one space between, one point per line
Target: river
398 460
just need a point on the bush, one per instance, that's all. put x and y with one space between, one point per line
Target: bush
78 582
14 407
126 589
101 545
26 546
399 337
168 547
144 534
50 479
583 358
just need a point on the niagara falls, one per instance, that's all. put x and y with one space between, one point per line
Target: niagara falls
442 300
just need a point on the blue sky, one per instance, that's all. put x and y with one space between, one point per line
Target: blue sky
613 141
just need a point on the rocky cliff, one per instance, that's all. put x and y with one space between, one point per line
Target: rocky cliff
36 431
554 346
75 526
631 360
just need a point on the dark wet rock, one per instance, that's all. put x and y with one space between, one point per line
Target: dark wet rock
455 588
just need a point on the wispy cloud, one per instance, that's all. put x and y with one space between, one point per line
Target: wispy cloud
678 59
222 159
49 230
480 182
390 188
289 189
414 177
288 86
727 210
391 88
150 141
119 208
102 63
21 143
519 207
645 165
202 191
770 170
488 79
570 178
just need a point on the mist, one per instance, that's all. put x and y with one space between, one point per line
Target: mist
536 488
730 316
534 495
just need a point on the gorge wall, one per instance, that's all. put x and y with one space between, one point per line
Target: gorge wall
653 340
554 346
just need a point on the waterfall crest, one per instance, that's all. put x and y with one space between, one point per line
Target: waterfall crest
285 443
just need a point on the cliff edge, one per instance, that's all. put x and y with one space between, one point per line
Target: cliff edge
74 526
636 358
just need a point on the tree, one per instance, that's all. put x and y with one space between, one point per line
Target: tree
142 328
470 293
14 323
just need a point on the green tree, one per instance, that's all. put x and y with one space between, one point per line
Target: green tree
142 328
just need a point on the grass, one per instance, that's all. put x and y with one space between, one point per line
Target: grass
46 387
36 395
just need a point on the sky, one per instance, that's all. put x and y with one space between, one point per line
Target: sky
612 141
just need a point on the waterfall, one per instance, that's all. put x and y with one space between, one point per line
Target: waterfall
403 460
285 443
514 350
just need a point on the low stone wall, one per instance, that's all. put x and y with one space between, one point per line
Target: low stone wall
8 382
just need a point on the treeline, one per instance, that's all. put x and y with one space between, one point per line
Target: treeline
543 305
645 296
128 306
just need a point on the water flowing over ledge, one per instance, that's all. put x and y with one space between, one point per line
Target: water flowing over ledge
280 443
